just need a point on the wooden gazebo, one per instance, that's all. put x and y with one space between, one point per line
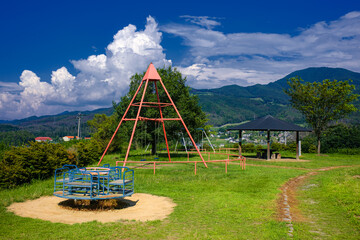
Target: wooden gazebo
269 123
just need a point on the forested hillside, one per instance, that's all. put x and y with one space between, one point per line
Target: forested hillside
228 104
55 126
233 103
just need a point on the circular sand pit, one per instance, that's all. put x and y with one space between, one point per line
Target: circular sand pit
139 207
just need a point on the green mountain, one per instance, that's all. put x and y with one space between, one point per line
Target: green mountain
54 126
228 104
233 103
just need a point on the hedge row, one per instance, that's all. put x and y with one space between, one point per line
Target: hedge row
21 165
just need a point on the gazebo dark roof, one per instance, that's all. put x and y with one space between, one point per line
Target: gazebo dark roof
269 123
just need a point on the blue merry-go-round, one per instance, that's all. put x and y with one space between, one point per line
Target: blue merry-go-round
93 183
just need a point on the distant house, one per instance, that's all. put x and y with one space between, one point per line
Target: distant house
68 138
87 138
43 139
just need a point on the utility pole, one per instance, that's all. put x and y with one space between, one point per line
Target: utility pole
79 118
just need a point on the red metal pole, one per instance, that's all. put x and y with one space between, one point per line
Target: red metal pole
195 167
136 120
122 119
161 116
226 163
192 140
154 168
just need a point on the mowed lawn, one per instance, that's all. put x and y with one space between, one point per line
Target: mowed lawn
211 205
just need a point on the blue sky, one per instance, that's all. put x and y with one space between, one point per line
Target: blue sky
79 55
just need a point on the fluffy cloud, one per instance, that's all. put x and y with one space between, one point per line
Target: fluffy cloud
214 59
250 58
101 79
209 76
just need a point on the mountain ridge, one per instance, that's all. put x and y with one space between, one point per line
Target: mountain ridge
227 104
235 103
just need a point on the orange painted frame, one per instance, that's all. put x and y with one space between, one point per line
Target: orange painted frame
151 75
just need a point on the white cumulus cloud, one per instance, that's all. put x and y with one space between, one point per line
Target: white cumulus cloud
252 58
101 79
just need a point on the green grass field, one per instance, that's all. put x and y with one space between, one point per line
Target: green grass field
215 205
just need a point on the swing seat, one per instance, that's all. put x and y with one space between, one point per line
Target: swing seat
143 160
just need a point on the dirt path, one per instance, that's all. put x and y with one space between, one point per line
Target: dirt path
142 207
287 203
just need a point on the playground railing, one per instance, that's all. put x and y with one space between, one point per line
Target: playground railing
94 182
236 158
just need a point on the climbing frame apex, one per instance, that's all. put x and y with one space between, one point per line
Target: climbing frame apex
151 73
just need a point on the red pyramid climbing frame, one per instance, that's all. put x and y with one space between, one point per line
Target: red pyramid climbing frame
151 75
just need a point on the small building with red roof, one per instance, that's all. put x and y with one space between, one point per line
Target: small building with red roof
43 139
68 138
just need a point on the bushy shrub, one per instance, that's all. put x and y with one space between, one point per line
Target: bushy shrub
278 146
291 146
340 136
39 160
258 148
248 148
103 128
308 144
251 148
312 149
36 161
87 152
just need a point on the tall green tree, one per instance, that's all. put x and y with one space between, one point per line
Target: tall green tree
103 127
321 102
187 104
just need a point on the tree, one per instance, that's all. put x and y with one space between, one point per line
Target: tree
104 127
187 105
321 103
341 136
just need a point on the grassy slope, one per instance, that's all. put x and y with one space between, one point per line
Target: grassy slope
212 204
315 161
331 202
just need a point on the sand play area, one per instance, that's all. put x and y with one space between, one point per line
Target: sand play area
139 207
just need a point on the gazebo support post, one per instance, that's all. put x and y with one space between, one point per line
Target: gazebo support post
269 123
240 140
268 144
297 145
